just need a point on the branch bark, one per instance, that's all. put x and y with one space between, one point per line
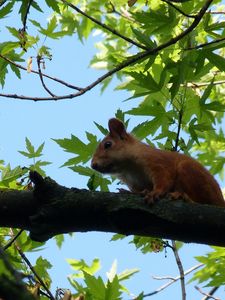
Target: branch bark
52 209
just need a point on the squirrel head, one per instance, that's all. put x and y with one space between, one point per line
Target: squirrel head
113 150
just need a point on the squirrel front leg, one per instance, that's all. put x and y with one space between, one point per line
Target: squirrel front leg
163 182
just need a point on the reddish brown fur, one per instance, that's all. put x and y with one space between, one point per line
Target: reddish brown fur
153 171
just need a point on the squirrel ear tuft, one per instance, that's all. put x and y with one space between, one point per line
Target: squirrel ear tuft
117 128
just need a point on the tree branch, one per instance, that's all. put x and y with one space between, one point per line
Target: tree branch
181 270
52 209
41 77
12 240
3 2
178 9
12 287
205 44
171 281
43 74
129 61
210 293
208 296
26 260
104 26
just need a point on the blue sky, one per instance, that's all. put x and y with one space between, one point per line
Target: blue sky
43 121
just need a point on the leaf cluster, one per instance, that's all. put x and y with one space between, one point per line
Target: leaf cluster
213 271
94 287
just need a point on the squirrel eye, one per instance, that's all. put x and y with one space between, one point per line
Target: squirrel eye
107 144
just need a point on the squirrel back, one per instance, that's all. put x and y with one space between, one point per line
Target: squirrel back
153 171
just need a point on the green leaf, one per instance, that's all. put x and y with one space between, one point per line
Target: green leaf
41 267
53 4
215 106
150 62
72 145
96 286
127 274
215 59
39 150
207 92
11 175
144 39
81 265
118 236
213 269
59 240
16 70
112 272
29 146
23 8
31 152
76 146
113 291
103 130
147 244
36 6
192 131
9 46
96 179
7 9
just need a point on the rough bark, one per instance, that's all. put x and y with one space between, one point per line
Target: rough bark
52 209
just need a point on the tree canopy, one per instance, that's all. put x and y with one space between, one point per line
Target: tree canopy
168 57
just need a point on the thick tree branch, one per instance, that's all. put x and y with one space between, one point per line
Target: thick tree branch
127 62
52 209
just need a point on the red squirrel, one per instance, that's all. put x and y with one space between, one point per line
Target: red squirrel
152 171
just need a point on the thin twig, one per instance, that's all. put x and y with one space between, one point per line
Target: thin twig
164 278
125 14
202 84
113 31
208 296
41 77
210 293
12 240
43 74
181 270
178 9
163 287
178 130
216 12
129 61
3 2
205 44
32 269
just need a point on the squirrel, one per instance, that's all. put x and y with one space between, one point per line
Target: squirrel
154 172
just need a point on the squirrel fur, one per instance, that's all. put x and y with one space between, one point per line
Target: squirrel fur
152 171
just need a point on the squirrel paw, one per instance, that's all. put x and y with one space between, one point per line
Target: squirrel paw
153 196
179 196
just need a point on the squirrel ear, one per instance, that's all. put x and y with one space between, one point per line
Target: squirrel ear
117 128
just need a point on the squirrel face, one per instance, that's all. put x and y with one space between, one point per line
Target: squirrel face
113 152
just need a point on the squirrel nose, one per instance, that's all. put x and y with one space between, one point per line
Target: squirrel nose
94 165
